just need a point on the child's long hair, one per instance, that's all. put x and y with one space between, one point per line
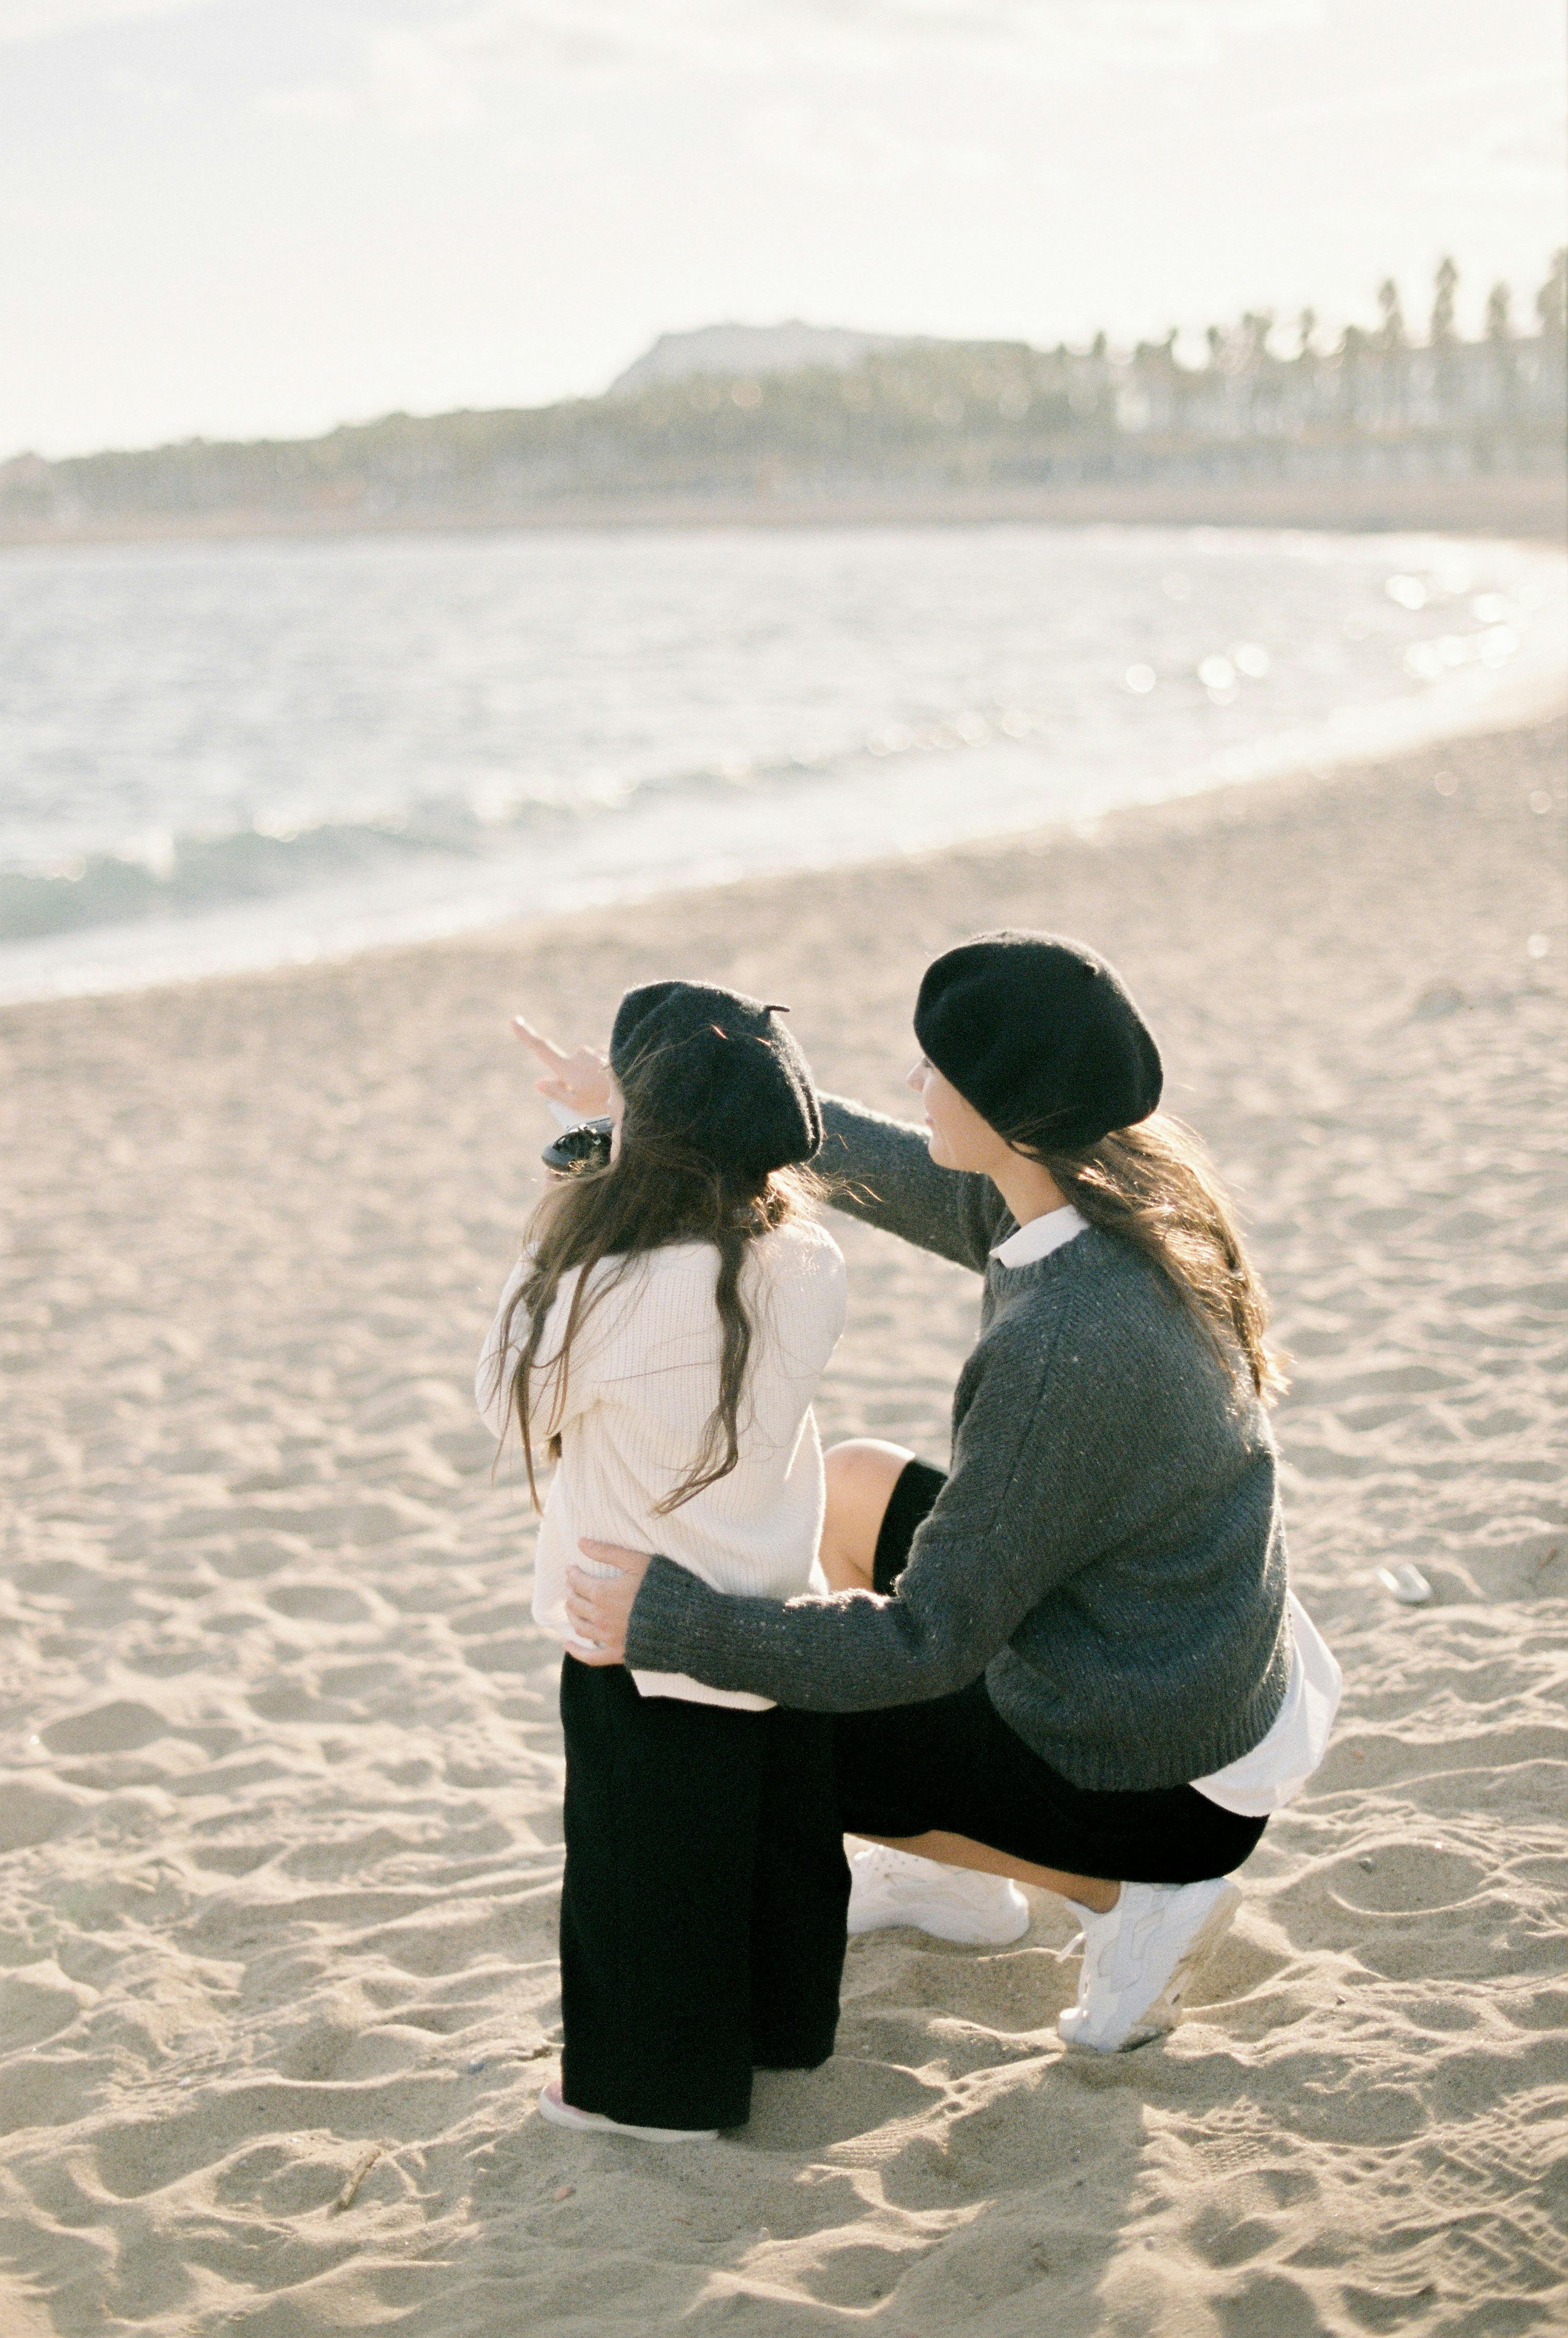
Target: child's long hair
660 1189
1156 1187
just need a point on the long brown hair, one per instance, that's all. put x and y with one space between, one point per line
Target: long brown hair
657 1191
1155 1187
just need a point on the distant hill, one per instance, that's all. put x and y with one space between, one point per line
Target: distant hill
745 350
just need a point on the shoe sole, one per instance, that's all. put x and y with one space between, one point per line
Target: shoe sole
578 2122
1161 2017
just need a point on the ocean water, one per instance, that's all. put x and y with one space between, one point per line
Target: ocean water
222 756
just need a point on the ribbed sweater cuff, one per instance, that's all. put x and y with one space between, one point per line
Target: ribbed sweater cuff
676 1625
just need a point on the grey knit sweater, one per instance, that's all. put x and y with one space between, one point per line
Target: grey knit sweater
1108 1550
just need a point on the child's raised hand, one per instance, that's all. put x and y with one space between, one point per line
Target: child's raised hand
578 1081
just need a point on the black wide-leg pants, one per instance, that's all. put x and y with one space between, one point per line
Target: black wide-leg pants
703 1912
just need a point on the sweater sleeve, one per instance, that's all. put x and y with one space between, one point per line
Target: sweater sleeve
1026 1451
882 1172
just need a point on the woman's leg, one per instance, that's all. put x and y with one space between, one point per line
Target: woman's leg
959 1851
861 1474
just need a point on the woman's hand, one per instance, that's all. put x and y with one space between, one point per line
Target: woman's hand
579 1081
600 1606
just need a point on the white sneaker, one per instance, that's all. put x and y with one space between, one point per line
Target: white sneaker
560 2113
954 1903
1139 1959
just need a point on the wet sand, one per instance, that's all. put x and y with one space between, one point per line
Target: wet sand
281 1803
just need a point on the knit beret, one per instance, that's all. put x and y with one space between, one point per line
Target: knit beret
728 1077
1040 1035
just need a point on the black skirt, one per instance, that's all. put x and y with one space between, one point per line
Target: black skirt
953 1765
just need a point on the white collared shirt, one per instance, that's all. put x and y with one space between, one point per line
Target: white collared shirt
1274 1772
1041 1236
1280 1764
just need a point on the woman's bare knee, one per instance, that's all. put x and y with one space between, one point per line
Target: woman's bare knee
861 1474
962 1851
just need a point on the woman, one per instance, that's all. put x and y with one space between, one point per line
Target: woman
1072 1660
663 1337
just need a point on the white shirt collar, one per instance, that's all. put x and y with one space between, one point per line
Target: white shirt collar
1041 1236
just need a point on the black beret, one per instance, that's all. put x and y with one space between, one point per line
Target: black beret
1039 1034
730 1080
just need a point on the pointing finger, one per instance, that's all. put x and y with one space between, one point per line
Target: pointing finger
546 1049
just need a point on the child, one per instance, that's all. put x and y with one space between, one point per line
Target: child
662 1336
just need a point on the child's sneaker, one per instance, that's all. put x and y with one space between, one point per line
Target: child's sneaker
890 1887
1139 1957
560 2113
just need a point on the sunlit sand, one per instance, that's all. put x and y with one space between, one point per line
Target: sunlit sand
282 1793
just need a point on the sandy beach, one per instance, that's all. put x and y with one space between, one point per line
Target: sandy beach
281 1803
1531 505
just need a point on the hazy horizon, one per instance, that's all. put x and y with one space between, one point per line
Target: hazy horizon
234 220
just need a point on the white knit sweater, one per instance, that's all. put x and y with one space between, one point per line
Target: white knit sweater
642 1383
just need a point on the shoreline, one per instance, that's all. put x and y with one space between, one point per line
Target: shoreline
1519 703
278 1737
1524 506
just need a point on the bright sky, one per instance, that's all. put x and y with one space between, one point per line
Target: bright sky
246 217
